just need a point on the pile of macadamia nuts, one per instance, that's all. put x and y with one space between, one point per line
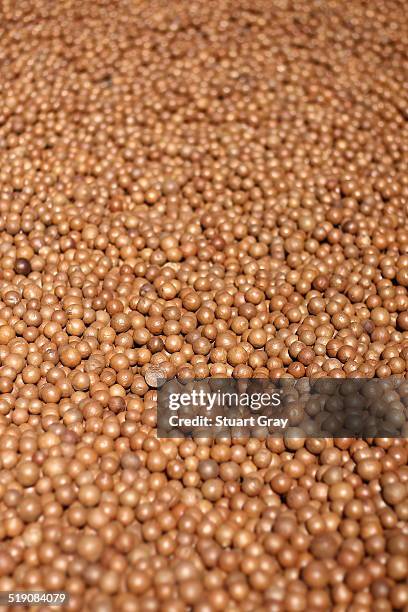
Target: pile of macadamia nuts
201 188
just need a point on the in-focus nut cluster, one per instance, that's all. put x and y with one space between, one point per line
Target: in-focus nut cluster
199 188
